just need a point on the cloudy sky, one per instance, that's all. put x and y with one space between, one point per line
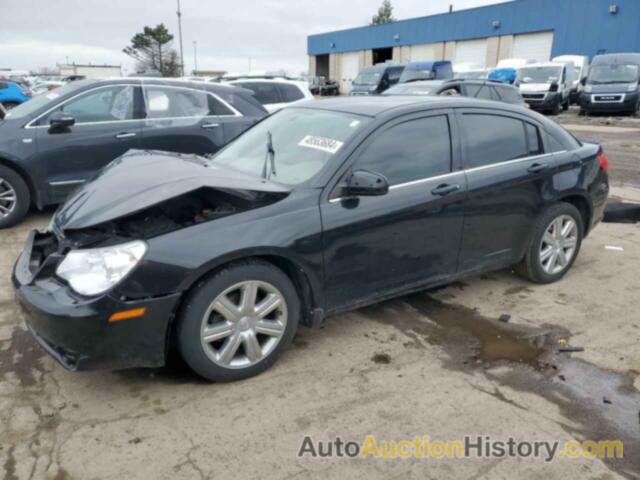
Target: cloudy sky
41 33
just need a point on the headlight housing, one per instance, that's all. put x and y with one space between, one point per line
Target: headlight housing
632 87
588 89
96 270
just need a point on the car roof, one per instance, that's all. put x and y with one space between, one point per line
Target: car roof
210 86
263 80
373 106
544 64
616 58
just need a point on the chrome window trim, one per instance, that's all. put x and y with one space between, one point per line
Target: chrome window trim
465 171
30 125
66 182
510 162
623 96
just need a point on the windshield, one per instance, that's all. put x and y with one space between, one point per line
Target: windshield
409 75
27 108
413 89
303 141
603 74
540 74
367 78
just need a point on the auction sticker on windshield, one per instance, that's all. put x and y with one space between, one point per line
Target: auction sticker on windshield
321 143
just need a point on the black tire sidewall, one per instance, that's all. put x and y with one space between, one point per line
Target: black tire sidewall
199 299
540 227
23 197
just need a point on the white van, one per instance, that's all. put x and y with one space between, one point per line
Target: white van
546 87
580 72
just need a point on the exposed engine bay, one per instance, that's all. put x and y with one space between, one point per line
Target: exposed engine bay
198 206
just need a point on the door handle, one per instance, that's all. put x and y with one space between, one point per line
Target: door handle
537 168
445 189
125 135
209 125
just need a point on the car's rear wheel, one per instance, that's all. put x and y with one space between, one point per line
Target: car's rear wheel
636 113
14 197
235 324
10 105
554 244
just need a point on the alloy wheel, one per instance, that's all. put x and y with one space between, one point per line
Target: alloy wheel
8 198
244 324
558 245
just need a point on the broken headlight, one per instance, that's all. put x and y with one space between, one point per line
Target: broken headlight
96 270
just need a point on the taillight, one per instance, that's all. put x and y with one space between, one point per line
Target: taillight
51 87
603 161
26 93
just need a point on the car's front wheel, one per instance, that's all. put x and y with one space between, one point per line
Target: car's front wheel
554 244
15 198
235 324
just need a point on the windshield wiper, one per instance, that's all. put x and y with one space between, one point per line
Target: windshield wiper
270 158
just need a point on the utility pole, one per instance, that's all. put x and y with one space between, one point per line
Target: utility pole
180 35
195 57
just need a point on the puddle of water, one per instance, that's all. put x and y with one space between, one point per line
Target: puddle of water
599 404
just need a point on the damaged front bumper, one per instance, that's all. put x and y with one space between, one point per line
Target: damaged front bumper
76 331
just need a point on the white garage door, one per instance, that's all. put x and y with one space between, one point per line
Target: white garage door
533 46
420 53
471 51
349 67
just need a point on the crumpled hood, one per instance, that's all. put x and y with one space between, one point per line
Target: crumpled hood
534 87
609 88
140 179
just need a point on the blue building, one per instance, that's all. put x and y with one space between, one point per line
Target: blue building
532 29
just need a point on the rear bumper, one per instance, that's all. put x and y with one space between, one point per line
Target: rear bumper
77 331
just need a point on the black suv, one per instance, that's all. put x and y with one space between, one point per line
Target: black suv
55 142
482 89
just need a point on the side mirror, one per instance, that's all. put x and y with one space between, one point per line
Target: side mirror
61 120
583 81
363 183
554 87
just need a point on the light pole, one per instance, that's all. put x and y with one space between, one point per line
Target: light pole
180 35
195 57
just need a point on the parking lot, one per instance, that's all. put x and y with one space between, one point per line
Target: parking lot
437 363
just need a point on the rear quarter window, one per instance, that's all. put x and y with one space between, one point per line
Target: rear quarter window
265 93
509 94
290 93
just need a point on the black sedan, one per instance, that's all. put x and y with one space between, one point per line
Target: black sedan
318 209
59 140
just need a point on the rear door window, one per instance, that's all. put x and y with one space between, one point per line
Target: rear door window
492 139
412 150
169 102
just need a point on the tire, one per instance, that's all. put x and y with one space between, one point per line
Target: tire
235 329
15 197
9 105
532 266
636 113
556 108
565 105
